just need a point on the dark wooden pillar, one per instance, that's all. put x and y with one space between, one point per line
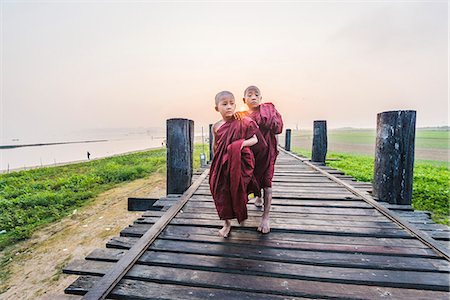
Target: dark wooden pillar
180 147
211 139
287 142
320 143
394 156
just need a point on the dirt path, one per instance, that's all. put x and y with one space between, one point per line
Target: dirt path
37 263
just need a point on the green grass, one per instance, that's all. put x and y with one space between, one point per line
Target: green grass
353 136
433 139
425 139
30 199
431 189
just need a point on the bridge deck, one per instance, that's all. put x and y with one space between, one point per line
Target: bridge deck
325 242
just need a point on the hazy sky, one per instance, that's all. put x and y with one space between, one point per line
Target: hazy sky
69 65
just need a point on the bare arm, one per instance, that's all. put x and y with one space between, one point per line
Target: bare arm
214 139
214 130
250 142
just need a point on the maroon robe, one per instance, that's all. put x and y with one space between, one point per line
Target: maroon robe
231 174
270 124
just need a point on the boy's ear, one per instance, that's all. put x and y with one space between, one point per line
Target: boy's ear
216 108
243 99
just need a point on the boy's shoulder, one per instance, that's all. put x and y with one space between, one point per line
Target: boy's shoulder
218 124
268 104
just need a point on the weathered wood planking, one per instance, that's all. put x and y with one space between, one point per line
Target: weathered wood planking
323 244
257 251
296 236
238 285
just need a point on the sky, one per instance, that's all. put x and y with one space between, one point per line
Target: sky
71 65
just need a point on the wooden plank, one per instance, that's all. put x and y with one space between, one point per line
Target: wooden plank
310 174
153 213
399 279
303 180
298 182
286 195
280 221
107 283
261 285
301 190
289 256
136 289
431 226
292 216
127 242
295 208
323 185
137 229
252 234
190 207
438 235
299 202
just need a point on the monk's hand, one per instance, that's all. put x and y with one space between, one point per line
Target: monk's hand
238 115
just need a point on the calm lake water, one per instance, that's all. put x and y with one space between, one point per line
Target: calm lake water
116 143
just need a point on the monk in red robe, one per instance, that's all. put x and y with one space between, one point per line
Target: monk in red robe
270 124
231 176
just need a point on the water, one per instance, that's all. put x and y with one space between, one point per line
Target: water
118 141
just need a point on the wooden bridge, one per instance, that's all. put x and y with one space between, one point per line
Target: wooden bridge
327 241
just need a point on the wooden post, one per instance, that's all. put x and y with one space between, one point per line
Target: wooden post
211 139
320 144
394 156
180 146
287 142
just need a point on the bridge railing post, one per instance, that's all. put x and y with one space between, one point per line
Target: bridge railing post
287 141
211 140
320 143
394 156
180 147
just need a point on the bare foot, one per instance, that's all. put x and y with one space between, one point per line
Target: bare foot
225 231
258 202
264 226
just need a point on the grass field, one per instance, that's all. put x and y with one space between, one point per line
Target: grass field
429 144
30 199
431 190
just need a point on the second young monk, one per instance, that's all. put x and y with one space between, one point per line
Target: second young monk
231 176
270 124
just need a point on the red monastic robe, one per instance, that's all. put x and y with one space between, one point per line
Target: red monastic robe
270 124
231 174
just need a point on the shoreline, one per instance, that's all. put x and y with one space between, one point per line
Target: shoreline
50 144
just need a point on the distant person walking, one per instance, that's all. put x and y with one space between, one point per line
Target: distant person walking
88 155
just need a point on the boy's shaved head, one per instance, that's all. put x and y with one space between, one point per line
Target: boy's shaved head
223 94
252 87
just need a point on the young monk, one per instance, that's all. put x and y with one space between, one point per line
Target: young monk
231 174
270 124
